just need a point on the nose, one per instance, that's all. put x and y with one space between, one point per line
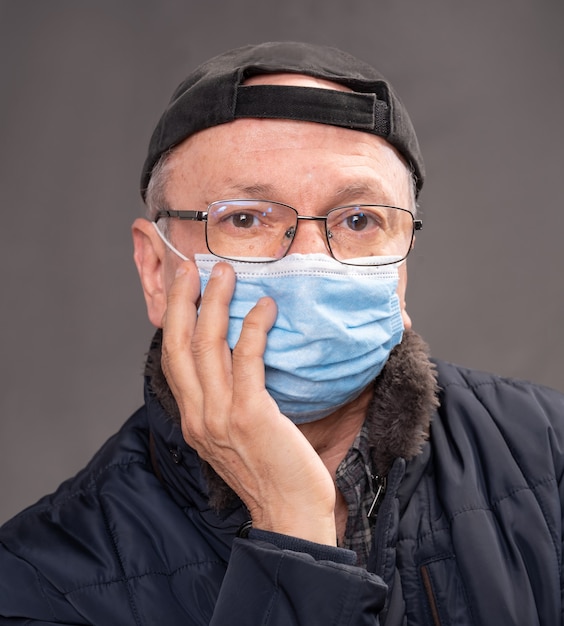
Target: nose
309 237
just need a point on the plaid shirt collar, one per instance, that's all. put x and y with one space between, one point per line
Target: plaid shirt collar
355 480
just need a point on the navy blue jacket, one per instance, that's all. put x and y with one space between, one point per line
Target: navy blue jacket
469 532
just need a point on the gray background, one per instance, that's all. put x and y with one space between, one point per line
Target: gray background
81 86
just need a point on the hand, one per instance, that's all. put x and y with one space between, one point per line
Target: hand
231 420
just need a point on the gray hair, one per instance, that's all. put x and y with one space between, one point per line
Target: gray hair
155 197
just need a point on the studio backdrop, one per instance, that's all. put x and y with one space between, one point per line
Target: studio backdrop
82 85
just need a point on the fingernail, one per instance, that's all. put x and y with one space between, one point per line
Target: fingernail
217 270
181 270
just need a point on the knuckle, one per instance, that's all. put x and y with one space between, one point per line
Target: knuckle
249 341
169 359
191 432
167 363
243 426
175 298
201 345
253 322
217 421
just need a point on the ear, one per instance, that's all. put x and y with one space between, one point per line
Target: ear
149 256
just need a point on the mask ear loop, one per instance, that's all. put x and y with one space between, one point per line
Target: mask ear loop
168 244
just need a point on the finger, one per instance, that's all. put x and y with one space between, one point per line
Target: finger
248 355
209 343
178 328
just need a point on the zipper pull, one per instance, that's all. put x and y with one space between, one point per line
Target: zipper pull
380 483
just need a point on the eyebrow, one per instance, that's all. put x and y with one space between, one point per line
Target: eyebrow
254 190
361 189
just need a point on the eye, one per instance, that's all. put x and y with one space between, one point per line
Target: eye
243 220
357 219
356 222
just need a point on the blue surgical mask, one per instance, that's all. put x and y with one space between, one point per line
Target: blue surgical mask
335 328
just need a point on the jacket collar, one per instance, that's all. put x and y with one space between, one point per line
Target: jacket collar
398 419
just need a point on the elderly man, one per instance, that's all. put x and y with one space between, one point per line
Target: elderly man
298 459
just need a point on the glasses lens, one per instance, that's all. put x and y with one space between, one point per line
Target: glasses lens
363 235
260 230
250 230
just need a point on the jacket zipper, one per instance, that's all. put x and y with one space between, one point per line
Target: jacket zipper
430 595
379 484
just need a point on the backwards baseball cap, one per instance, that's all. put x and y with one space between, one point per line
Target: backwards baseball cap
215 93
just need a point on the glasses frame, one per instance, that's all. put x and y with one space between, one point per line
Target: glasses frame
202 216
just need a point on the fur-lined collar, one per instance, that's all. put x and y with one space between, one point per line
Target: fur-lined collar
405 398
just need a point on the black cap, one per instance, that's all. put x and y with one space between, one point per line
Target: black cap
214 94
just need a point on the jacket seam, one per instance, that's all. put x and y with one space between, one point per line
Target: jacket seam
113 539
490 507
43 592
39 578
125 578
276 593
348 605
111 466
494 504
90 486
498 381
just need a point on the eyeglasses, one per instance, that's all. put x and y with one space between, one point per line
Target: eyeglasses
261 231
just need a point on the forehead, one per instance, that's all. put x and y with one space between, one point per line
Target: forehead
285 156
297 80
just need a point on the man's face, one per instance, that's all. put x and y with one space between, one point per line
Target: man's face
312 167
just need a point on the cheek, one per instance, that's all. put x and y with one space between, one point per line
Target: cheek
189 238
402 284
401 289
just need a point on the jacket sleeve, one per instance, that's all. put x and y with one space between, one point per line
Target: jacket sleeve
268 585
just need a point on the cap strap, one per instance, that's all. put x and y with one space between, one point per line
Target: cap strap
361 111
